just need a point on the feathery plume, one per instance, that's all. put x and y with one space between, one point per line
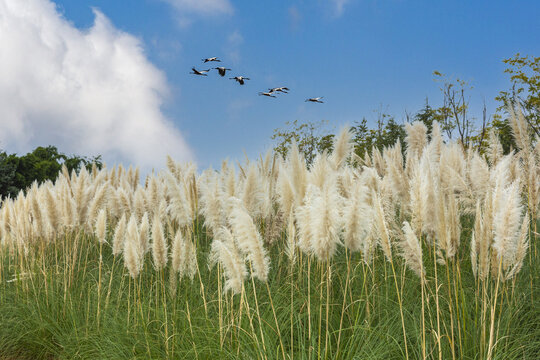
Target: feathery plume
119 236
144 233
132 251
521 250
224 251
178 206
342 148
357 218
101 226
411 250
159 245
381 226
249 240
416 138
325 220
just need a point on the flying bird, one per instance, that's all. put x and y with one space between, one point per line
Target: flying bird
199 72
240 79
269 94
315 100
222 70
211 59
282 89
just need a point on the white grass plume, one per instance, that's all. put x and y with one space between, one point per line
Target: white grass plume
285 192
224 251
495 149
298 173
325 221
119 236
506 225
249 240
132 251
381 226
342 148
159 245
416 138
519 128
179 207
101 226
212 203
144 233
411 251
357 216
521 250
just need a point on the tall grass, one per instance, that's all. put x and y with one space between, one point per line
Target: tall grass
381 257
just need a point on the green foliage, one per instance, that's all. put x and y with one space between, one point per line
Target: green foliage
310 138
387 133
44 163
504 131
525 77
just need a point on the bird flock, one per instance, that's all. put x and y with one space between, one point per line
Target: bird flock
222 71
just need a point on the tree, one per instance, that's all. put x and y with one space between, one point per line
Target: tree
310 138
43 163
427 115
525 92
387 133
453 115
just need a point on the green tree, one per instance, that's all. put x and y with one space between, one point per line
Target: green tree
454 115
310 137
525 92
43 163
428 116
387 133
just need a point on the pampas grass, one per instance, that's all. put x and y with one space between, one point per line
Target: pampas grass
225 252
307 232
159 245
249 240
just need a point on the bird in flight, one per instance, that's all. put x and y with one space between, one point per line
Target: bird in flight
240 79
222 70
269 94
199 72
282 89
315 100
211 59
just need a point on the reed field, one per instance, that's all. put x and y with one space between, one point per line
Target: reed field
427 253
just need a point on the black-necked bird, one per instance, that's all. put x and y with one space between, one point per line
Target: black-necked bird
199 72
269 94
315 100
240 79
282 89
222 70
211 59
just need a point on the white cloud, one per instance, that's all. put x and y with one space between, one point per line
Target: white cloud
233 45
294 17
87 91
202 7
339 6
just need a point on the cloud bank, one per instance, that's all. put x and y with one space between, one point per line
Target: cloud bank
88 92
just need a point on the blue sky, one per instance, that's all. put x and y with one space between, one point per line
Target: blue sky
358 54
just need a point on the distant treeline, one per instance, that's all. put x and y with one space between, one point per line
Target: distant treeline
43 163
453 116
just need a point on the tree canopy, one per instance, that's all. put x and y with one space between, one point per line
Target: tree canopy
43 163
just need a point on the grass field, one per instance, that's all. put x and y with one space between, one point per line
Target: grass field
282 261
